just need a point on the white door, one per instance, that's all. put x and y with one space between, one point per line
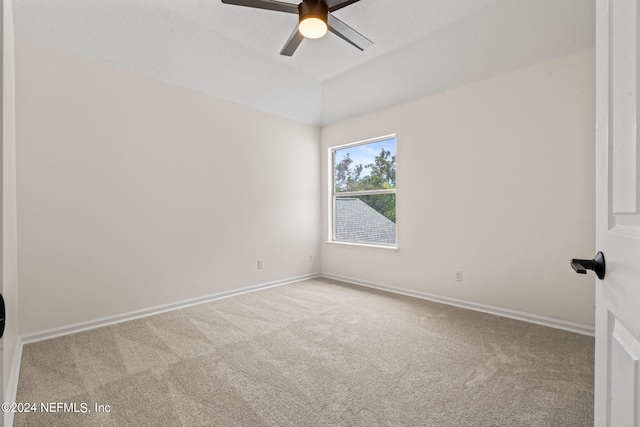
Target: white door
617 378
2 11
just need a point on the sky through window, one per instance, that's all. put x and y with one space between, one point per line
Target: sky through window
365 154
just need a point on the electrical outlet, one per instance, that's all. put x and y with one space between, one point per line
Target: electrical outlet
310 257
260 264
459 276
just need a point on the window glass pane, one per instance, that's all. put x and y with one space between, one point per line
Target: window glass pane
365 167
366 219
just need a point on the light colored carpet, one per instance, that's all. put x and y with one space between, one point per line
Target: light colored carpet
314 353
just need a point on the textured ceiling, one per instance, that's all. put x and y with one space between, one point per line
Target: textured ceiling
420 47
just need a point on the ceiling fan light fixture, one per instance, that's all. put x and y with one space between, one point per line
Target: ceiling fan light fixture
313 28
313 16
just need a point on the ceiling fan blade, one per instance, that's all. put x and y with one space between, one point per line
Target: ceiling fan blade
347 33
292 44
266 4
338 4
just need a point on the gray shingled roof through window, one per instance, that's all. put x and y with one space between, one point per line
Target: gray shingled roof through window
358 222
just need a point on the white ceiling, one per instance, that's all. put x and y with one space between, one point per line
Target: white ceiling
420 47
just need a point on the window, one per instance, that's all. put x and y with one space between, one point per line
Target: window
364 192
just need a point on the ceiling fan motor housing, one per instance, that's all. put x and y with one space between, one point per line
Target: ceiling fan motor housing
313 9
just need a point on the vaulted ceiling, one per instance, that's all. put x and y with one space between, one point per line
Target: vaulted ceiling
420 47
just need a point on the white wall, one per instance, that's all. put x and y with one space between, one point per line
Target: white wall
9 228
495 178
135 193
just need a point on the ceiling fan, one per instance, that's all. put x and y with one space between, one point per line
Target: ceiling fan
314 18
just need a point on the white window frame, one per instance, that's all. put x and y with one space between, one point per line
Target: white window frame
334 195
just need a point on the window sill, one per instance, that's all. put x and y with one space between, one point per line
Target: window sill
392 249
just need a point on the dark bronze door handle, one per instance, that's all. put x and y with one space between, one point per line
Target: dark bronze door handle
2 316
597 265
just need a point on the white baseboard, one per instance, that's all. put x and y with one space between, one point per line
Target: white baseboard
580 328
110 320
12 386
